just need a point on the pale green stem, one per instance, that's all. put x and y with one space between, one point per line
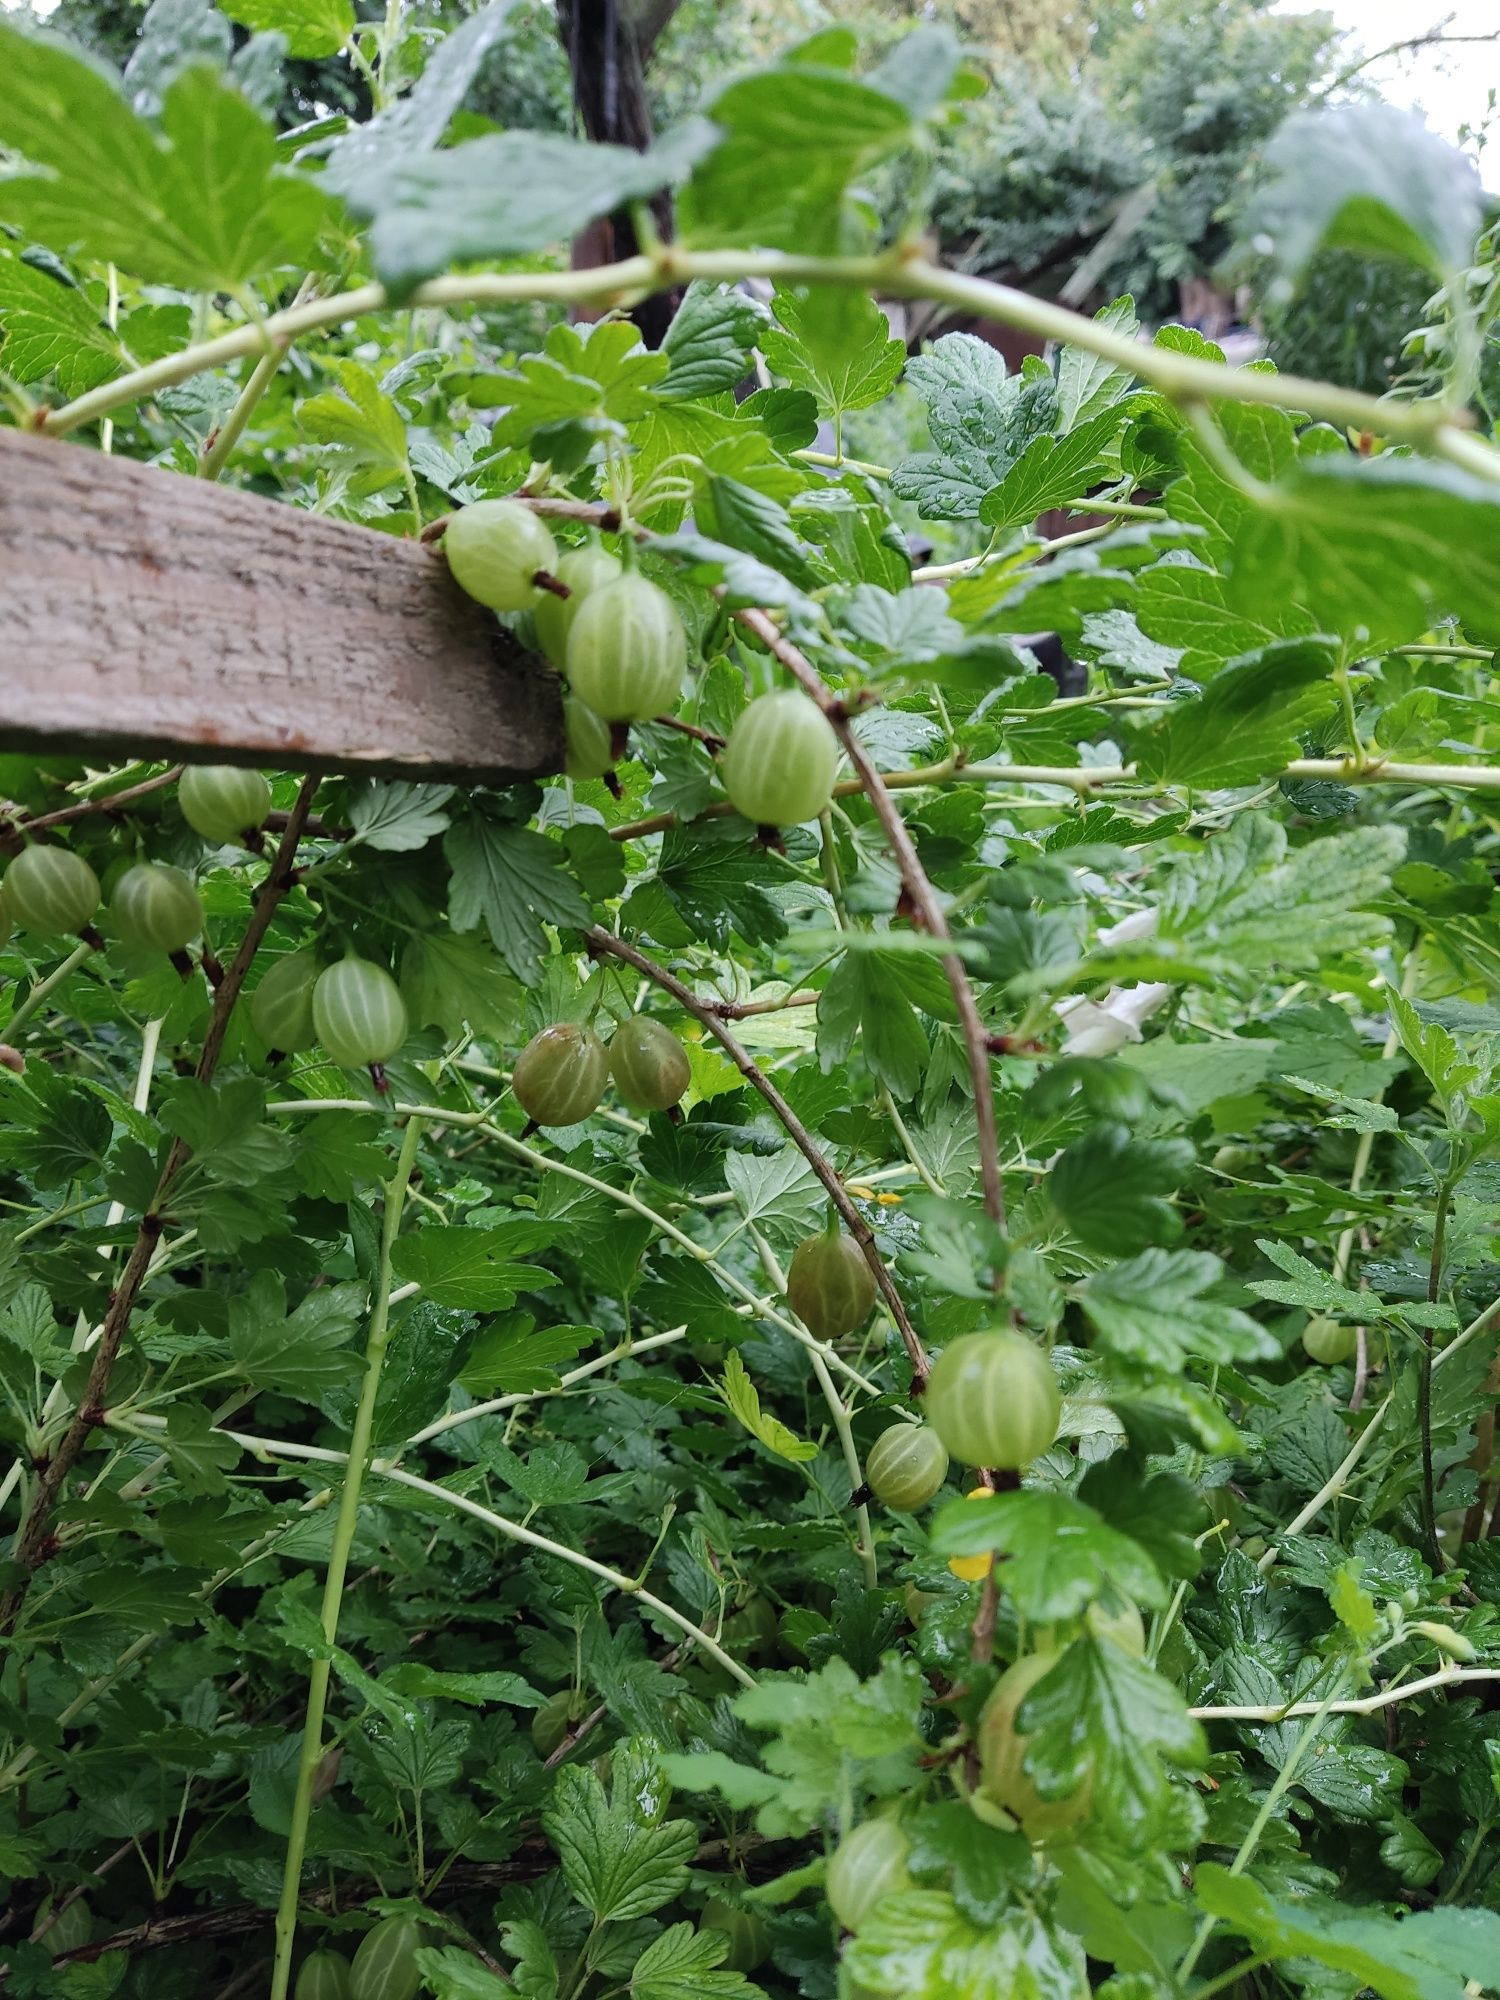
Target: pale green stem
345 1524
1186 378
478 1122
1337 1479
279 1448
1283 1781
1369 1704
624 1352
45 987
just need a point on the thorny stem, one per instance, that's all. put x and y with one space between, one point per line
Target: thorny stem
45 987
1087 780
280 1448
1428 425
345 1524
801 1138
926 909
478 1121
1424 1379
108 802
32 1538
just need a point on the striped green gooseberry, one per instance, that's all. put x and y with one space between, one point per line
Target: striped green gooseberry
1004 1779
385 1965
906 1466
281 1007
779 763
358 1012
50 891
324 1975
993 1399
829 1285
648 1063
156 907
495 549
745 1929
1329 1340
583 570
627 650
561 1074
223 802
868 1865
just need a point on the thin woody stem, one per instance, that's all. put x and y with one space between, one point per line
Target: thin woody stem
33 1538
801 1138
920 894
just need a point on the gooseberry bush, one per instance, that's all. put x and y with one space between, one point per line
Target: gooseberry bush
850 1349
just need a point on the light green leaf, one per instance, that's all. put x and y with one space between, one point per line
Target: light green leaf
396 818
1247 723
1153 1309
1425 1956
921 1946
1368 178
1060 1555
1086 383
835 342
311 27
679 1965
620 1857
204 207
740 1394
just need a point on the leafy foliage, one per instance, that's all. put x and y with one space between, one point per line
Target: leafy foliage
412 1516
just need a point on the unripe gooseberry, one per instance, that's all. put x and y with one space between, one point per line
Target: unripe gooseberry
358 1012
1002 1756
583 570
749 1940
648 1063
560 1075
156 907
906 1466
223 802
495 548
324 1976
589 752
1329 1340
779 762
866 1866
627 650
385 1965
281 1007
50 890
829 1285
993 1399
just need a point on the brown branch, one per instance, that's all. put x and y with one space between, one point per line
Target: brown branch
84 808
919 893
801 1138
714 744
741 1010
34 1540
532 1860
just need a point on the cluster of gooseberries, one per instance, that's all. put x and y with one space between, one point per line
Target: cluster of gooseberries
561 1075
620 644
384 1966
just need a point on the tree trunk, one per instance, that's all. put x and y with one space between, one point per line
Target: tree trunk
609 44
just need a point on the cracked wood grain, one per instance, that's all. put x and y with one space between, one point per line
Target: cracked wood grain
151 614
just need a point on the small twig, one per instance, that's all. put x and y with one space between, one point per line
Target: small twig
1368 1704
713 744
919 892
802 1139
83 808
741 1010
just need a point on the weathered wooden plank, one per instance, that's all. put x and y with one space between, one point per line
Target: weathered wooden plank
146 613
